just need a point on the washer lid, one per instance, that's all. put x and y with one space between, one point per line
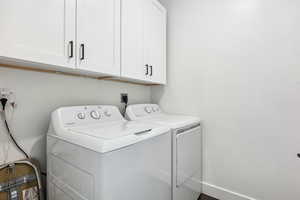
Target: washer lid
113 130
107 137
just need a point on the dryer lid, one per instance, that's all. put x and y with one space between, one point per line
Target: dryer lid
174 121
152 113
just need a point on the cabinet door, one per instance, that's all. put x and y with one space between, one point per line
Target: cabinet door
155 41
98 36
132 19
40 31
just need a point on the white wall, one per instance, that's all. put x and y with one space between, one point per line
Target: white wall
236 63
38 94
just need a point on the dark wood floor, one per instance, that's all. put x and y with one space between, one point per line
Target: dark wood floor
206 197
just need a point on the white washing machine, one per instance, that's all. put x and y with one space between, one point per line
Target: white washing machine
186 148
93 153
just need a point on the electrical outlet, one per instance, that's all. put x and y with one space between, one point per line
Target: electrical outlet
7 94
124 98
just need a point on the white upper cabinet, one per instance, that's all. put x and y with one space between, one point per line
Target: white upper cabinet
40 31
98 36
132 40
119 38
155 41
144 40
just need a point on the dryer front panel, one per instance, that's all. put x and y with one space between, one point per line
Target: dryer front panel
188 157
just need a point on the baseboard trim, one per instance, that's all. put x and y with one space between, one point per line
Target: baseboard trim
222 193
216 191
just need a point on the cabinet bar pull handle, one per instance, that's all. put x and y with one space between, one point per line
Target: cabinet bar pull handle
151 70
82 51
147 69
71 51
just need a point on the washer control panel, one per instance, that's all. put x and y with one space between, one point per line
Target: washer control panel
81 115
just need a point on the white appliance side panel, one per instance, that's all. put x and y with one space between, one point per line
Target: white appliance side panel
55 193
135 172
188 158
71 171
140 171
60 195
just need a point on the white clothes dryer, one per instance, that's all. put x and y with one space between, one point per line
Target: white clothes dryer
186 147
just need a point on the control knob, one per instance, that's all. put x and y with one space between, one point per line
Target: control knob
95 114
148 109
81 115
107 113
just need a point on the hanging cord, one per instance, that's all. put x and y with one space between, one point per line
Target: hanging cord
14 141
3 102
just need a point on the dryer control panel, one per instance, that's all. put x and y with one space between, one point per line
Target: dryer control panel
142 110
